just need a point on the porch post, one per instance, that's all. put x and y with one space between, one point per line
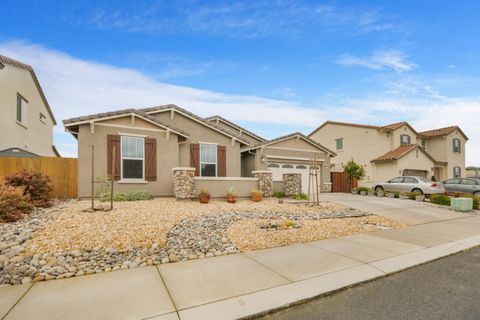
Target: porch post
184 183
265 182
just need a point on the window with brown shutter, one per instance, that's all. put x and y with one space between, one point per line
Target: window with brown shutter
222 161
113 141
195 157
150 159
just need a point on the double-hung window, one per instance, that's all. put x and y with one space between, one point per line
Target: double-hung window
404 139
456 146
208 160
22 110
339 143
133 158
457 172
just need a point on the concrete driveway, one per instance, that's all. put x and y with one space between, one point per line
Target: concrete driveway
407 211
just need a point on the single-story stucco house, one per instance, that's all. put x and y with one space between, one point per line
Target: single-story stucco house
170 151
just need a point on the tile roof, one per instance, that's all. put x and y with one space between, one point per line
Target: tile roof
318 145
402 151
395 126
140 113
210 119
441 132
21 65
397 153
200 119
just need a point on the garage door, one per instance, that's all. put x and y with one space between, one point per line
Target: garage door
278 169
418 173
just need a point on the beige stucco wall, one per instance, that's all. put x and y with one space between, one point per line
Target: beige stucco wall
217 187
167 159
294 148
35 136
398 132
455 159
200 133
361 144
384 171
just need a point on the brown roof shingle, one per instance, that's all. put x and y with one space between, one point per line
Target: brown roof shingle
397 153
212 118
200 119
70 121
21 65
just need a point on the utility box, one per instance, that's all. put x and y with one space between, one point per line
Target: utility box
461 204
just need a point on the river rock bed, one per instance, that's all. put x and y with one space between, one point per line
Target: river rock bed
64 241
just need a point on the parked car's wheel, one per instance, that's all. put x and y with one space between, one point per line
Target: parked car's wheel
378 188
476 194
418 191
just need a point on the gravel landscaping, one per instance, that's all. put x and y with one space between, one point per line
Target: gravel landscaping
64 241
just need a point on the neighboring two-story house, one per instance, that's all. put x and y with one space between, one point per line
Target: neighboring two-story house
26 124
394 150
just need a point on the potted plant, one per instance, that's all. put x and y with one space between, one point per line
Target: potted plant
380 193
403 196
363 190
354 191
420 198
204 196
257 195
391 195
371 193
231 196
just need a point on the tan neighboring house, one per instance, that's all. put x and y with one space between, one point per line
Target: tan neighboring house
26 125
150 143
394 150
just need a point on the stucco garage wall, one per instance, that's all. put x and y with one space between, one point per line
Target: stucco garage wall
167 158
217 187
391 169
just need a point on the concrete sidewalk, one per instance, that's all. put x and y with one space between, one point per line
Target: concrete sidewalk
240 285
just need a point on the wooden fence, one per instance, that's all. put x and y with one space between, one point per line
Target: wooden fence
340 182
62 171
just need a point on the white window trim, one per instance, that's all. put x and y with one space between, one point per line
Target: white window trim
23 109
127 180
459 146
216 158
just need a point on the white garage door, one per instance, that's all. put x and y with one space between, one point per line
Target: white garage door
278 169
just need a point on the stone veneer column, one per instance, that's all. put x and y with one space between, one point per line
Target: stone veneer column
265 182
292 183
183 183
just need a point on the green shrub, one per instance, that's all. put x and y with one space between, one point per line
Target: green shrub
134 195
440 199
476 200
359 189
412 195
300 196
14 203
397 195
35 184
279 194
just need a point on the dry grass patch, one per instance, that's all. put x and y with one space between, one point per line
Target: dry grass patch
249 235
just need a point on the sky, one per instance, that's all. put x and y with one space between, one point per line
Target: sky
274 67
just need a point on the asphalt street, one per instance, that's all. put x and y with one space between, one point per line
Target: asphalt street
444 289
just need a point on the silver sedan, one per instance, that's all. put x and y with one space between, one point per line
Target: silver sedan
415 184
464 185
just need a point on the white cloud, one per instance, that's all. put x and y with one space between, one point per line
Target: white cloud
380 60
245 19
77 87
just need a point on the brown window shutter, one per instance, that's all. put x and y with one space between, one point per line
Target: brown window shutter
113 140
195 157
150 159
222 161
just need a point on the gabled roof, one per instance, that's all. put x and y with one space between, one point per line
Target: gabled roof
401 152
121 113
18 64
397 125
194 117
442 132
289 136
235 126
